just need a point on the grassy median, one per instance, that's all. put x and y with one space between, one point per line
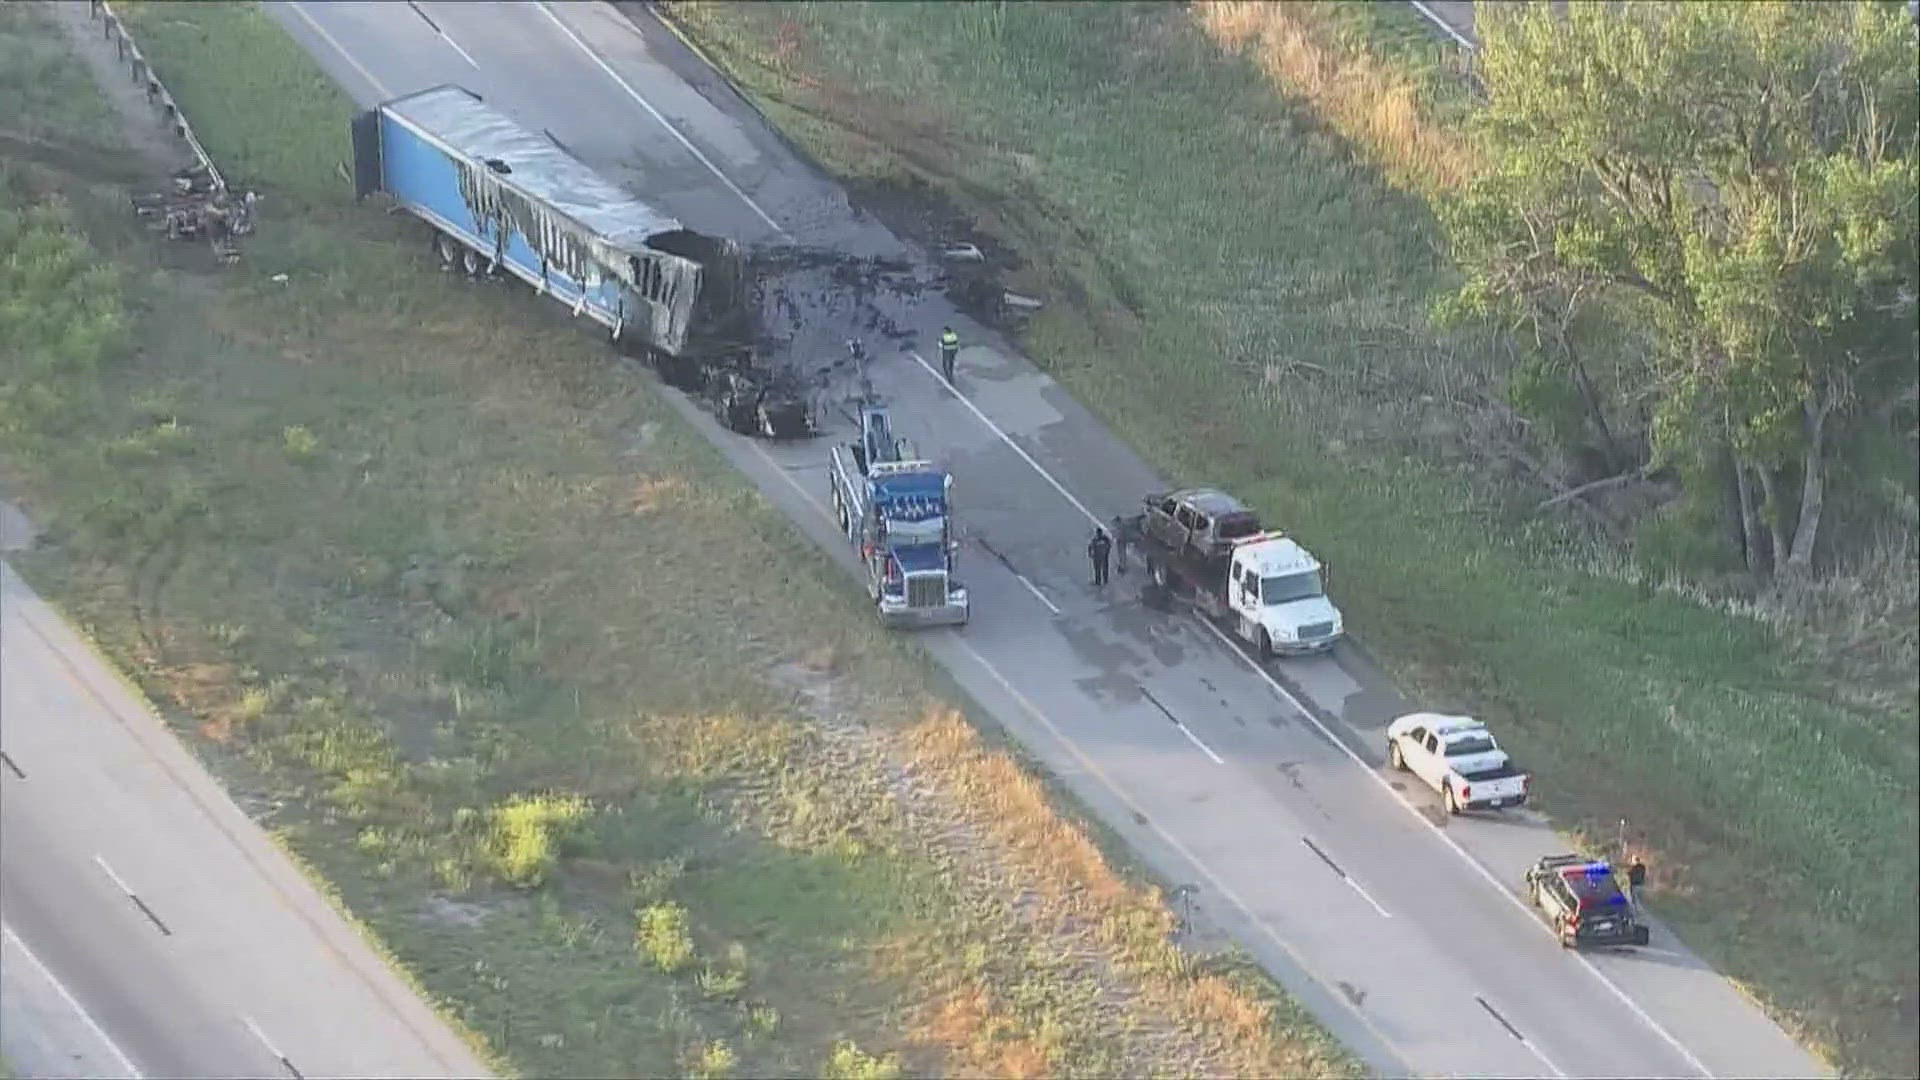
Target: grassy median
1246 301
445 596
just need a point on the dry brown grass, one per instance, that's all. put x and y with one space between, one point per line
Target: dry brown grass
1374 105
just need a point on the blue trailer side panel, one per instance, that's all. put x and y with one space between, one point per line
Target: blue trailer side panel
426 179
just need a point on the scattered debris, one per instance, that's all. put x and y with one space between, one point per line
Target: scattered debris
964 253
199 207
1021 303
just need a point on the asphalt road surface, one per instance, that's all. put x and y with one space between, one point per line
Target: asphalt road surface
147 926
1264 789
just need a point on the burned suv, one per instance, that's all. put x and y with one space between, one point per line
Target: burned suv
1582 900
1202 521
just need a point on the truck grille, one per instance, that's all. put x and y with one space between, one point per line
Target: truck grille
926 590
1316 630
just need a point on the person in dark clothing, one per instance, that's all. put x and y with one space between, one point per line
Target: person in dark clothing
1097 550
949 348
1636 877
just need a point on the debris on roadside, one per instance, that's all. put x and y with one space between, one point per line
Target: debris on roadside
199 207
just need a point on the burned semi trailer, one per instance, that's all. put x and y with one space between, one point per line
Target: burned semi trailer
500 197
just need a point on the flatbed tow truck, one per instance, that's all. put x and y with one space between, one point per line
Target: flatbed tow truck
1204 546
897 514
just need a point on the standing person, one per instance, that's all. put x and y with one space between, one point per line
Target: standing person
1636 877
1097 550
949 349
1119 543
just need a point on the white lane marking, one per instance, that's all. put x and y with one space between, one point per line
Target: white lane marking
87 1017
1611 986
268 1043
655 113
1008 439
444 36
1344 876
1434 18
1544 1059
1035 590
1364 896
116 877
1195 739
1166 838
1532 917
378 86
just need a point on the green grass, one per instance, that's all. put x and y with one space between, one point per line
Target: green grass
1246 303
415 565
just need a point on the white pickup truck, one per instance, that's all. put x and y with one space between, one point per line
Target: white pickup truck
1457 757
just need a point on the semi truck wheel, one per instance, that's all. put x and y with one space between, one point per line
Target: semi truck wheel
448 249
471 263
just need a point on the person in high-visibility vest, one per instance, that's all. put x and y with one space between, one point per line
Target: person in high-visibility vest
949 348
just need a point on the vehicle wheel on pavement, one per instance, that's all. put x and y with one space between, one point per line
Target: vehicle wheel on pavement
1560 931
1453 802
447 248
1394 757
1159 575
473 263
1266 644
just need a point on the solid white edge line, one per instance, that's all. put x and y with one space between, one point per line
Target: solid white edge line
547 9
92 1024
1478 867
1008 439
1272 683
1434 18
1195 739
378 86
116 877
1193 860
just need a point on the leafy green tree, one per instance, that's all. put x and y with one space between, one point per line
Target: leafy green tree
1739 178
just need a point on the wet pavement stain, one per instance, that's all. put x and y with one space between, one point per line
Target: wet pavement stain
1112 659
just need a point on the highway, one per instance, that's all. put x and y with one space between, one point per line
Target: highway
1262 788
148 928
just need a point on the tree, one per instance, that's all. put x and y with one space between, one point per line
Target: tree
1739 177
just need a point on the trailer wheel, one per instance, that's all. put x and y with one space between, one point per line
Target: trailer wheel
448 249
471 263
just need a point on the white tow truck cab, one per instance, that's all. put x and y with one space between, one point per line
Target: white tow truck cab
1456 756
1277 592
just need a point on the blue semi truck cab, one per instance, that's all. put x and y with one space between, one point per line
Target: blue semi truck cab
898 513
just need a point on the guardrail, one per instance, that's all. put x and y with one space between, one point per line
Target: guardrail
157 95
1466 54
